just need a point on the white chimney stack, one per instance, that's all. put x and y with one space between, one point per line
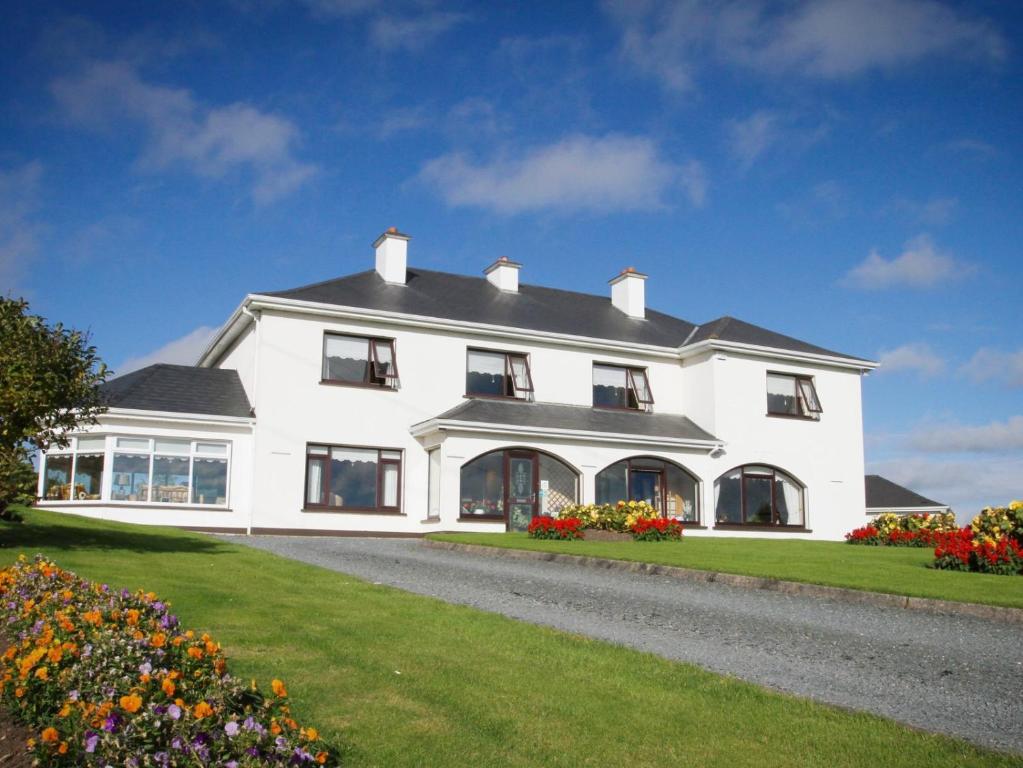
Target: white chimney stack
628 293
504 274
392 255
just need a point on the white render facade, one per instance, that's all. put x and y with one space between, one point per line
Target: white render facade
319 452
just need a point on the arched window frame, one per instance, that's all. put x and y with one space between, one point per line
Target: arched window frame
663 481
775 517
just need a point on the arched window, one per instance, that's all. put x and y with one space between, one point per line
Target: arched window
758 495
663 484
515 485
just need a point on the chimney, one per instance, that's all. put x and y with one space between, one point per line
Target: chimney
628 294
504 274
392 255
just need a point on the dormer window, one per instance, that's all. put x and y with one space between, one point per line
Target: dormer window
618 386
792 395
359 361
490 373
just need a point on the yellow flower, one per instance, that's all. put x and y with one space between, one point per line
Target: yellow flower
131 703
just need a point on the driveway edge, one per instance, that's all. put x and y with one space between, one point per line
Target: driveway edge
880 599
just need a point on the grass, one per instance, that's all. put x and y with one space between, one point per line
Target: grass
895 570
410 681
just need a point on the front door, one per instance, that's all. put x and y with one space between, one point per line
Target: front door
522 489
645 485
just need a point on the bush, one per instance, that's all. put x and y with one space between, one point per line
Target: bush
991 543
610 517
660 529
893 530
110 678
564 528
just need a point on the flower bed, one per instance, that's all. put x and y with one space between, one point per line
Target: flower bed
889 529
992 543
610 517
110 678
564 528
661 529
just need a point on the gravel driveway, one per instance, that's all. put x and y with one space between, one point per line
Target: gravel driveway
956 675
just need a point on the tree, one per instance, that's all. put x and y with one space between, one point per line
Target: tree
49 387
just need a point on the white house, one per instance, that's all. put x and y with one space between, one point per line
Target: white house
401 401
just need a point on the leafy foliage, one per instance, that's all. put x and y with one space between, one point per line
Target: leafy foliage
49 386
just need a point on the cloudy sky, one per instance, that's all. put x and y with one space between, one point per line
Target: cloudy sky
844 171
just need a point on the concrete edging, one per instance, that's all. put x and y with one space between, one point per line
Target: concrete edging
880 599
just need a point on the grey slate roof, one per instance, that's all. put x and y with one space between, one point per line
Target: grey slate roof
536 308
884 494
179 389
576 417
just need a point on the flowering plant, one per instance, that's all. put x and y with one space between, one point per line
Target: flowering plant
659 529
889 529
611 517
546 527
110 678
992 543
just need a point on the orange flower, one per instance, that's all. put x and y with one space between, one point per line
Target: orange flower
201 710
19 692
195 653
158 640
168 686
321 757
62 749
275 729
55 655
133 617
312 734
43 673
278 688
131 703
50 735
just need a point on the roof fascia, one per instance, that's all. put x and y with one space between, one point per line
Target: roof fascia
434 323
136 414
226 336
908 510
834 361
431 426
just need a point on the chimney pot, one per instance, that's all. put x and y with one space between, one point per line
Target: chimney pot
392 256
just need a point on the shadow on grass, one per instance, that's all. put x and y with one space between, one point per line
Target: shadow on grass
35 535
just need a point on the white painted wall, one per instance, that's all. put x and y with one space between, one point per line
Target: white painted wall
241 357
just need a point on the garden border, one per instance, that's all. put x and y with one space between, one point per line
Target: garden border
843 594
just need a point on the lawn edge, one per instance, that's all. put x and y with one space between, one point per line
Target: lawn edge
844 594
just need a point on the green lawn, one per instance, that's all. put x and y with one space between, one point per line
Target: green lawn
896 570
410 681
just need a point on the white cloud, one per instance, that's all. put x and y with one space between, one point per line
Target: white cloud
995 365
996 437
814 38
412 33
748 139
920 265
932 212
19 233
609 173
211 142
183 351
918 358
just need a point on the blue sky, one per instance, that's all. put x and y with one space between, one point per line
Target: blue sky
844 172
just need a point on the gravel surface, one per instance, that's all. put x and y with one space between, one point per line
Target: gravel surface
956 675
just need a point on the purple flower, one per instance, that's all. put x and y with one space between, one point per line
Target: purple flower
231 729
73 695
91 740
174 711
145 668
178 743
110 724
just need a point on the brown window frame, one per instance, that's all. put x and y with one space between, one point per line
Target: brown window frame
775 517
374 377
325 461
517 393
806 412
630 384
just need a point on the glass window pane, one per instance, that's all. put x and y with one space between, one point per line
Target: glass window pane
319 450
209 481
681 494
809 393
173 446
645 486
642 387
383 362
520 374
757 500
781 394
485 374
212 449
482 486
94 444
390 455
390 483
133 443
56 486
558 485
346 358
353 478
130 477
89 476
314 482
170 480
610 387
612 483
728 498
788 498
